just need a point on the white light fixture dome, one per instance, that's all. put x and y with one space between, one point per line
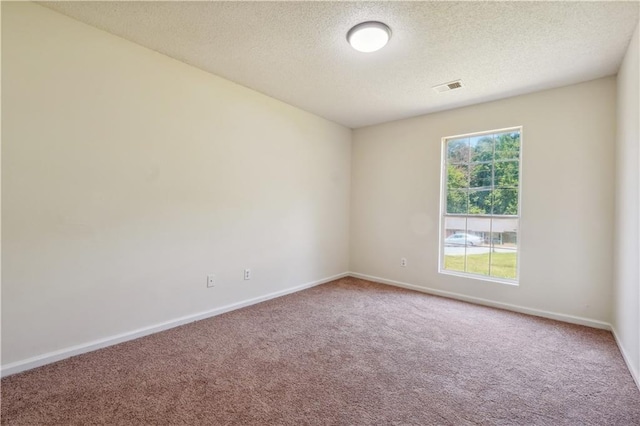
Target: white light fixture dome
369 36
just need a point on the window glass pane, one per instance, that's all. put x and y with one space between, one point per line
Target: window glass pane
504 233
481 176
478 260
505 201
457 176
507 146
454 262
457 201
504 263
481 148
478 236
454 248
507 173
458 150
480 202
504 253
479 232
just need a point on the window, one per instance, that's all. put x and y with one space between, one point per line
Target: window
481 205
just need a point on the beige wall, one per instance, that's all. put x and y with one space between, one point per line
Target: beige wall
129 176
567 199
626 318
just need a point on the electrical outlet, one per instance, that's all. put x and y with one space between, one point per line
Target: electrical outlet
403 262
211 280
247 274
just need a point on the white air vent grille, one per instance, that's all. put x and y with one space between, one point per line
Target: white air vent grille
452 85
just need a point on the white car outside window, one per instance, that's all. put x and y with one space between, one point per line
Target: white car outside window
463 239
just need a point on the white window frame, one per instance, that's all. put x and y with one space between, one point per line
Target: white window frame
443 208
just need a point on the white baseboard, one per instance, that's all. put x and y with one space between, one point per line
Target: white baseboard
50 357
486 302
627 360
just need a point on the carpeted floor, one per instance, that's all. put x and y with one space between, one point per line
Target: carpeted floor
349 352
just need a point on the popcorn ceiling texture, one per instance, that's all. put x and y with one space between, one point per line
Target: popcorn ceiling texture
297 51
346 353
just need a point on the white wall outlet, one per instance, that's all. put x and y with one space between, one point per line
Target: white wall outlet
211 280
403 262
247 274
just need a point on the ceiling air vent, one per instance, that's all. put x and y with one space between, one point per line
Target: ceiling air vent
453 85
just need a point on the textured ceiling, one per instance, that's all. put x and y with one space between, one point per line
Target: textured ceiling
297 51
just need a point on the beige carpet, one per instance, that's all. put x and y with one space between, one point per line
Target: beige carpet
346 353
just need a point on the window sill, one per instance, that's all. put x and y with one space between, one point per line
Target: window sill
480 277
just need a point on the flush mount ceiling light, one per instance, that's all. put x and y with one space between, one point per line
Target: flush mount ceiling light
369 36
